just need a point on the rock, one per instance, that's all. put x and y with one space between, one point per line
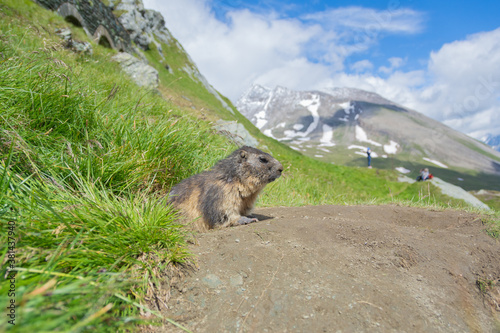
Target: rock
459 193
147 27
142 73
451 190
212 281
236 280
405 179
142 24
236 132
73 44
64 33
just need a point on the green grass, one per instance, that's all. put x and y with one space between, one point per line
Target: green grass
86 159
470 180
178 86
493 226
493 203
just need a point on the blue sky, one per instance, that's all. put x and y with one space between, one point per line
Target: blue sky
441 58
441 22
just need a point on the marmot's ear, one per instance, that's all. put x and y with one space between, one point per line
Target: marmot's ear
243 154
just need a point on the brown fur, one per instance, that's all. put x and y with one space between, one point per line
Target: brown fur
225 195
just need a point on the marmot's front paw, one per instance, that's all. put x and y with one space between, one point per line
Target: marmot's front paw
246 220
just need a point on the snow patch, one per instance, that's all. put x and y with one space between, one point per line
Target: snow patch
356 147
403 170
298 127
260 119
269 100
361 136
268 133
363 153
436 162
326 139
345 105
348 107
391 148
318 155
312 106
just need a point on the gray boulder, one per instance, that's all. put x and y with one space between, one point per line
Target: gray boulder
73 44
142 24
459 193
236 132
142 73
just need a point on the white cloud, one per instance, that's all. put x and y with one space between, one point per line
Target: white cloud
460 86
253 47
465 87
362 66
400 86
249 47
471 70
394 62
370 21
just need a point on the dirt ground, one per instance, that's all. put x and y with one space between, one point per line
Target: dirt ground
342 269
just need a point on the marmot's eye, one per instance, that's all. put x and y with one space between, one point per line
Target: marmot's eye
263 159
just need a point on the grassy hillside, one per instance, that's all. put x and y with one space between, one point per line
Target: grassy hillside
86 159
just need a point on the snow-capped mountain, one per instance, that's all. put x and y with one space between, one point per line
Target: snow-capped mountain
493 141
338 125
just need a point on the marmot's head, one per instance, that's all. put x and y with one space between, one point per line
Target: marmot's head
255 164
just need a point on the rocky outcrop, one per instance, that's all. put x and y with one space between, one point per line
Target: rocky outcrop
142 74
96 18
236 132
74 44
144 26
121 22
147 27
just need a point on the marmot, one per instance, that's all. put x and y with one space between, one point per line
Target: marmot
224 195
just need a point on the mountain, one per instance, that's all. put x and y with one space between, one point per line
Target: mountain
493 141
338 125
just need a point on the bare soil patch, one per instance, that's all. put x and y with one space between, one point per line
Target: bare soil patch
342 269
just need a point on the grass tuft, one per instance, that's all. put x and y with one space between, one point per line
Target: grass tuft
86 160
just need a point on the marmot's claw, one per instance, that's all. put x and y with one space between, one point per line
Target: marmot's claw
246 220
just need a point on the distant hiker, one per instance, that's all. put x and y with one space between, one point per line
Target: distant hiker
368 153
424 175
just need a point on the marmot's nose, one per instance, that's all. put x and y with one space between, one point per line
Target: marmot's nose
278 169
